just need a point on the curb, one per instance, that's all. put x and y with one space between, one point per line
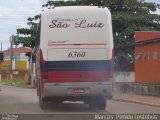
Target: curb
137 102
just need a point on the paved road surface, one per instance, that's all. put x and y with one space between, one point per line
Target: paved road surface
21 100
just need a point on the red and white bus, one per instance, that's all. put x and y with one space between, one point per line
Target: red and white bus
74 59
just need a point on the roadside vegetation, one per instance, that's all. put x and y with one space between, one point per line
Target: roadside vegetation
15 82
128 16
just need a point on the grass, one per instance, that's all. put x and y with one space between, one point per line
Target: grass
12 82
16 82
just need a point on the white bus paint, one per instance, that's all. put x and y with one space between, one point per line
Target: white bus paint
70 32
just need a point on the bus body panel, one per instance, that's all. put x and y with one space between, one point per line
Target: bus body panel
79 89
75 54
77 36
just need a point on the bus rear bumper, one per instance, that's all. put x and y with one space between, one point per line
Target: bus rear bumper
84 89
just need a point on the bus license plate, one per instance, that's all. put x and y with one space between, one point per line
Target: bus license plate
78 90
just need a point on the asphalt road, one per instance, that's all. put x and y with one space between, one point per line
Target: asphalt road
25 101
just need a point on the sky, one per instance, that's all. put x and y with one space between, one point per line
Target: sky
14 14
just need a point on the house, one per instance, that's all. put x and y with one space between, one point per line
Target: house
147 57
19 61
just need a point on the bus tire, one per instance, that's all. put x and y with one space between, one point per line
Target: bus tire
43 103
102 103
38 89
55 103
92 103
97 103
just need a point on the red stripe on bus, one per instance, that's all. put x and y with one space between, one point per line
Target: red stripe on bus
79 76
75 44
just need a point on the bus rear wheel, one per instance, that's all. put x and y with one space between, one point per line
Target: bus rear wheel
43 103
102 102
97 103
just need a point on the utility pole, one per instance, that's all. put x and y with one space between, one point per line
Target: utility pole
14 41
11 57
15 57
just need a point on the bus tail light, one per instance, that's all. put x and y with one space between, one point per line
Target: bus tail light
41 60
44 77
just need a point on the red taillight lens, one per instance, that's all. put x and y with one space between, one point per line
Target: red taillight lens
44 75
110 74
41 60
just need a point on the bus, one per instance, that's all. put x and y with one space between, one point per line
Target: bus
74 56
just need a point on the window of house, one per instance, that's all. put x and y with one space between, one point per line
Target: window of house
155 55
7 57
148 55
145 56
139 56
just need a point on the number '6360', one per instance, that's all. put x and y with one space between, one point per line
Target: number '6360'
75 54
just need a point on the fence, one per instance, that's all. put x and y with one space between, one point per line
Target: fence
124 77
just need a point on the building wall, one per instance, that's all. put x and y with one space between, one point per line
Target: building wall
147 65
5 65
146 35
20 65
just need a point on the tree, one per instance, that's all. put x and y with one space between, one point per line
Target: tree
28 39
27 35
127 16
